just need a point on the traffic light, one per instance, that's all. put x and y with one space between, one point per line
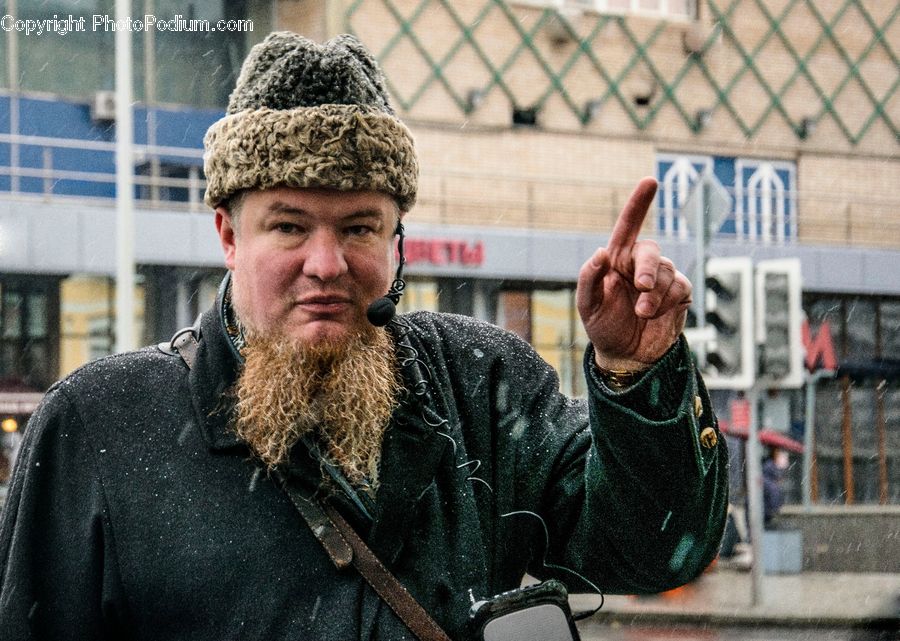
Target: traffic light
728 308
778 322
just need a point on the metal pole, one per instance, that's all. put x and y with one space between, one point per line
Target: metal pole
755 496
13 68
809 433
700 271
125 335
808 430
12 48
150 101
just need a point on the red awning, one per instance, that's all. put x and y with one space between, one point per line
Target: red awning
17 403
17 398
770 438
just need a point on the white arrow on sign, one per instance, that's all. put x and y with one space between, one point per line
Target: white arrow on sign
716 199
699 335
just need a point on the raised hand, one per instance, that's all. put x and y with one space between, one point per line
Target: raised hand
632 300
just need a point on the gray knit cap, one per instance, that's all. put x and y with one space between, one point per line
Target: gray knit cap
309 115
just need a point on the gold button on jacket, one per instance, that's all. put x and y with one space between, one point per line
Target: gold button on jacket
708 437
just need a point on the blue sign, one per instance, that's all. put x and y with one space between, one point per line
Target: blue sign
764 196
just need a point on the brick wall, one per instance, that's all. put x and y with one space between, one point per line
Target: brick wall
847 184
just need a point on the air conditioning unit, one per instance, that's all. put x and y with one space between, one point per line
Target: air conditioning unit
103 106
697 38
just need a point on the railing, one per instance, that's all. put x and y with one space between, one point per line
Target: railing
51 182
475 198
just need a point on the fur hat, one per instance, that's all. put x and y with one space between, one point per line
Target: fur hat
309 115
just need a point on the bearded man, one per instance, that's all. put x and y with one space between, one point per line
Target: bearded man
157 494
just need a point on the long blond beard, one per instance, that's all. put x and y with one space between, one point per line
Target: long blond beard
345 393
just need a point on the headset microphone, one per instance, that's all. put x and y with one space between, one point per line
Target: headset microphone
382 310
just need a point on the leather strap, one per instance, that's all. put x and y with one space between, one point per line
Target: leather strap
344 546
386 584
322 528
185 343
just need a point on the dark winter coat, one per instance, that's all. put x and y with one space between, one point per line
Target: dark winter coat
135 513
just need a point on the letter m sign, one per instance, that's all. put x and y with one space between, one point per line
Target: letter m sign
819 348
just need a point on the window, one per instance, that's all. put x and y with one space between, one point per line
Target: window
677 175
185 65
27 345
765 198
215 57
87 325
890 328
667 8
762 195
169 182
558 336
77 63
548 319
857 443
88 318
419 295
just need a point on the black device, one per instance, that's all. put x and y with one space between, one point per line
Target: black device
382 310
534 613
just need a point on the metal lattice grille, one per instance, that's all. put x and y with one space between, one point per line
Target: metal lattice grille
839 64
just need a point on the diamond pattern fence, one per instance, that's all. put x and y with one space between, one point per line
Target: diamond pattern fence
841 52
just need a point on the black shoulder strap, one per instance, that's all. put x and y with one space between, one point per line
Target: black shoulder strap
184 343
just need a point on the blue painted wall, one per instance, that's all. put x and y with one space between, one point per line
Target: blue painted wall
57 118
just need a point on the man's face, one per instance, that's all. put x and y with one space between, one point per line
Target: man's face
306 263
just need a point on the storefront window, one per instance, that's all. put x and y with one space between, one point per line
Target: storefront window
37 315
87 319
10 440
26 353
554 336
86 305
865 446
547 319
890 329
514 312
891 401
857 440
12 313
860 328
419 295
28 330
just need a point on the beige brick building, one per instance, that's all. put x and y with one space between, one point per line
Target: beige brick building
808 83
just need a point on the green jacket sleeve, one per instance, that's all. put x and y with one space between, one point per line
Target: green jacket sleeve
651 496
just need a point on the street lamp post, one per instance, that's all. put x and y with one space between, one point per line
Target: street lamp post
125 272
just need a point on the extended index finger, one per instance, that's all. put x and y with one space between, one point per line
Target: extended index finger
628 225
